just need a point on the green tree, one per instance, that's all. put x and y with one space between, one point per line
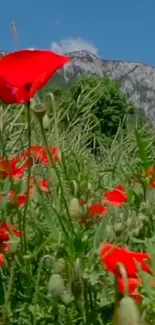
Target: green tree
108 103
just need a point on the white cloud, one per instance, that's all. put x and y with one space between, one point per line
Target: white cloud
70 45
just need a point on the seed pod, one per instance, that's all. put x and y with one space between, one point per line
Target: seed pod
75 210
39 110
56 286
46 122
128 313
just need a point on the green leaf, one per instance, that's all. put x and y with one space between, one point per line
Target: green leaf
79 245
142 147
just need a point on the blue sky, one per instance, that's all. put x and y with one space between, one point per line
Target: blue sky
113 29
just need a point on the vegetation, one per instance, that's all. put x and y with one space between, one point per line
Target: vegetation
101 97
65 202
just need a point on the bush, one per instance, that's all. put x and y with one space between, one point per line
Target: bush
105 99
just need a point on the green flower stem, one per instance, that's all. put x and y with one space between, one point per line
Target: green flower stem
28 180
8 292
57 173
37 285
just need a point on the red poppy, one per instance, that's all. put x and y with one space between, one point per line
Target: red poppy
17 199
39 153
111 255
5 231
15 231
132 287
24 72
97 209
116 197
5 248
10 168
43 185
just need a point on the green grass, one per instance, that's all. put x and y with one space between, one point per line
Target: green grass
83 293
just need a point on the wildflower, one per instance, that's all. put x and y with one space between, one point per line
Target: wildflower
17 199
24 72
97 209
43 185
111 255
115 197
39 153
10 168
5 232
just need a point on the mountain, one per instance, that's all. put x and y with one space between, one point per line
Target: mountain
137 80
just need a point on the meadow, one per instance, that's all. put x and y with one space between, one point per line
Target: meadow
77 230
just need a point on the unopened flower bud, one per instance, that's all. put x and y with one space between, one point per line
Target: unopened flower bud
75 210
46 122
66 298
128 313
118 228
56 286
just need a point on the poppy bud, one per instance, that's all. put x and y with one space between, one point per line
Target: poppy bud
46 122
77 287
118 228
77 279
78 269
75 210
109 232
66 298
74 187
56 286
128 313
39 110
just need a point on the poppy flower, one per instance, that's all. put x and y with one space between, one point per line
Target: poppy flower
15 231
43 185
5 232
10 168
111 255
97 209
24 72
39 153
17 199
116 197
132 287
